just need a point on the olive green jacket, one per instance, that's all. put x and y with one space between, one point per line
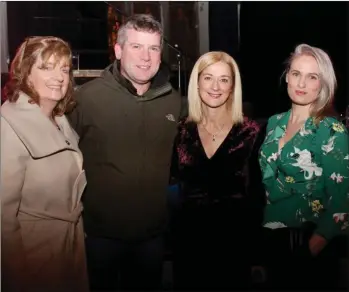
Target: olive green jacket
126 141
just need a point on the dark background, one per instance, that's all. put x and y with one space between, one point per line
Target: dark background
269 33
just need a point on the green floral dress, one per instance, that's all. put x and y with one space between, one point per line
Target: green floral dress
308 180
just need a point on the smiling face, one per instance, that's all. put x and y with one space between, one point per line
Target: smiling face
139 56
50 79
216 84
303 80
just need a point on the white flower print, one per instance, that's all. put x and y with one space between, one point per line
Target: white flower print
274 225
305 196
304 162
346 157
278 117
267 197
272 157
300 216
271 131
337 177
340 217
329 146
304 132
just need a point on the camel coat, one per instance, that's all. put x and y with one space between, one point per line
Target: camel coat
42 181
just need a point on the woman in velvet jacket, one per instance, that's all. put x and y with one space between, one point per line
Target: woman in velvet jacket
220 196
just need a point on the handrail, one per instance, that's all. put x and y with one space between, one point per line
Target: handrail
92 73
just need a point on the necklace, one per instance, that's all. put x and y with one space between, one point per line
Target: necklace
214 135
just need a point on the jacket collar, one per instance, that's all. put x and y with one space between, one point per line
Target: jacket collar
159 84
35 130
279 128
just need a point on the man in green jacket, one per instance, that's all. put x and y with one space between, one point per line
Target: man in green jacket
127 121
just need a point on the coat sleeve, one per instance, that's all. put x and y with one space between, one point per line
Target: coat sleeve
13 164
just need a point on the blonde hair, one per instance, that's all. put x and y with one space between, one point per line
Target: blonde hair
29 51
235 99
323 105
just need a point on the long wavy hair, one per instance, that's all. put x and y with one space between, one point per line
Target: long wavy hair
29 51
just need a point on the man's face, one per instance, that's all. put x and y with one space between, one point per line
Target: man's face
140 56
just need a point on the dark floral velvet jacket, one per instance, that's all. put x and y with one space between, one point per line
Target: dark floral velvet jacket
232 174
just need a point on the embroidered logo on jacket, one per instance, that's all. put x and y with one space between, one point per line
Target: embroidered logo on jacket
170 117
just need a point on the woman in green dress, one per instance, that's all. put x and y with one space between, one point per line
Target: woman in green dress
304 160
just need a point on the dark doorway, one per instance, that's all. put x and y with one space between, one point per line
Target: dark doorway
269 33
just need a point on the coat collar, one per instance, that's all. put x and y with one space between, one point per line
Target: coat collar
35 130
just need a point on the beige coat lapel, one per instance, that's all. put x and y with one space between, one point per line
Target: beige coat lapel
37 133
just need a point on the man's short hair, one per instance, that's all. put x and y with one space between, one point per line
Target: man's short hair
139 22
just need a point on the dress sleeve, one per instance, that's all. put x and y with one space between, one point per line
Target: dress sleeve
256 200
175 155
13 164
335 162
174 177
255 188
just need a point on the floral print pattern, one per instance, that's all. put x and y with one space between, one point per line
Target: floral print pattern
290 179
308 179
304 162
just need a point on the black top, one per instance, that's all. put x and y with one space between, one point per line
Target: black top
231 172
220 193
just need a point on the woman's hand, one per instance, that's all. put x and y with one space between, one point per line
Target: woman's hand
316 244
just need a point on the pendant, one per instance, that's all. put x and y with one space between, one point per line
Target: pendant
213 138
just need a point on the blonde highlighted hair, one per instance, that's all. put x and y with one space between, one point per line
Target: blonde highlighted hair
323 105
32 49
194 100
